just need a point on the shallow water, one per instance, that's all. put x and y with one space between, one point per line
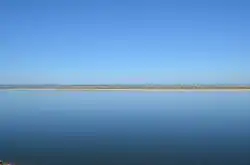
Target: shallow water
125 128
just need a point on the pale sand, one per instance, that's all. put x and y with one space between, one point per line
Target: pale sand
139 90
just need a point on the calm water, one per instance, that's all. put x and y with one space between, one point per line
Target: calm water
125 128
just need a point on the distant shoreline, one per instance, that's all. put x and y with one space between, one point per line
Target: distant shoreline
146 88
134 89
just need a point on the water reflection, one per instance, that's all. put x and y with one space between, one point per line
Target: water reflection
125 127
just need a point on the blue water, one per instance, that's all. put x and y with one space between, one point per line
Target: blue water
125 128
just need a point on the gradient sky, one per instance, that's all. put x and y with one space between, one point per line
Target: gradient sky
129 41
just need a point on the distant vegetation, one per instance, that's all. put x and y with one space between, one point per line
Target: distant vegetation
124 87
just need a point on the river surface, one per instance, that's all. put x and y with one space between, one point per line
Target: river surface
125 128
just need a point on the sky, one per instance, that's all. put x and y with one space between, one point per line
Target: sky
124 42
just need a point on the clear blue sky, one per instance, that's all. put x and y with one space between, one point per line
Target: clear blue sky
125 41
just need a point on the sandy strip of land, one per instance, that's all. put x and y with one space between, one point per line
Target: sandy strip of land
139 90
